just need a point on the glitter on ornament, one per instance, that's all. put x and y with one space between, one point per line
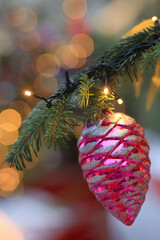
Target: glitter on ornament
113 155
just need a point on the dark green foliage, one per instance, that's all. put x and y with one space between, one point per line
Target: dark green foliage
83 91
150 56
60 123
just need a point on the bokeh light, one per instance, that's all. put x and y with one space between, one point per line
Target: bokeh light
1 133
20 17
3 151
81 62
12 16
30 22
67 56
22 107
8 138
9 179
79 51
10 120
45 86
85 42
47 65
74 9
70 56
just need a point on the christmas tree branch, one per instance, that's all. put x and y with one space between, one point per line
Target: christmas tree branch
118 60
86 90
60 123
30 137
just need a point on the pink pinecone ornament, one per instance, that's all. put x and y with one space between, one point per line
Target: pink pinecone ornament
114 158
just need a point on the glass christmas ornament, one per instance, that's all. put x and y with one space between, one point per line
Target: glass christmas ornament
113 155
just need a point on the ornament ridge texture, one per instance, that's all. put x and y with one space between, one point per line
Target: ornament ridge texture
114 158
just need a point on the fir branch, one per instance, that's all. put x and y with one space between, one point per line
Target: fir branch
57 122
30 137
97 106
83 93
60 123
149 56
116 61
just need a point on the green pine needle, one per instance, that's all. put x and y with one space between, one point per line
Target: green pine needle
60 124
30 139
83 91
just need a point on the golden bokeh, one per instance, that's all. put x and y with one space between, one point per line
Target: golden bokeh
69 56
20 17
85 42
8 138
81 62
79 51
10 16
74 9
3 152
9 179
45 86
22 107
47 65
1 133
28 19
59 54
10 120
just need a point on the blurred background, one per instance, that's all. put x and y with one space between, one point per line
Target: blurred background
39 41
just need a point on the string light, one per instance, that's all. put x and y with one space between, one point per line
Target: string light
106 90
156 21
35 95
120 100
28 93
154 18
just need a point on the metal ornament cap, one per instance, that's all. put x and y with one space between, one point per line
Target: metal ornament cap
113 155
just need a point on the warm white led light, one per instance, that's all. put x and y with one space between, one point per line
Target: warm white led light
154 18
120 101
106 91
28 93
